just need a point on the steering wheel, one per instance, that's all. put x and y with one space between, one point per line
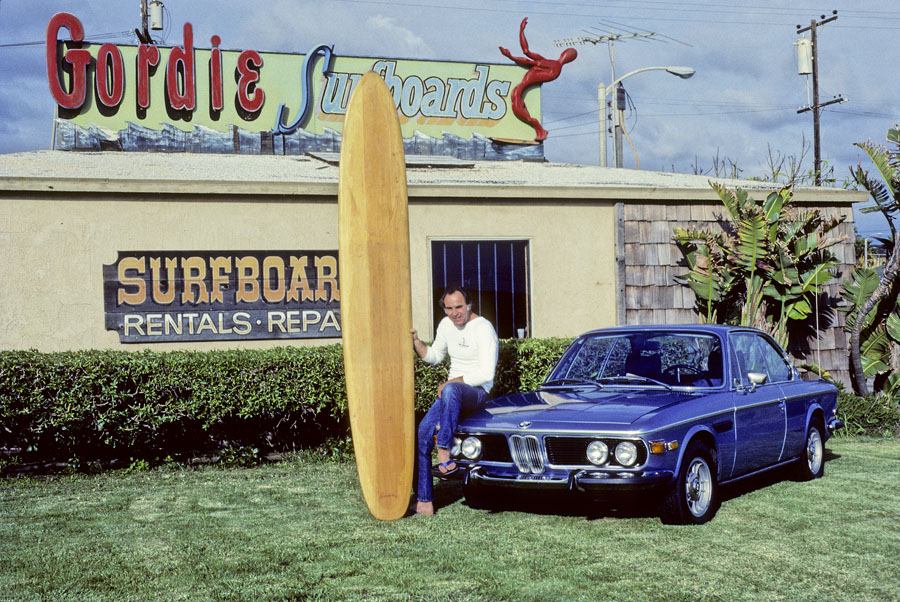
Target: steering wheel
681 370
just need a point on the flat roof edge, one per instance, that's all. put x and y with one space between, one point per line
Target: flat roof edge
416 190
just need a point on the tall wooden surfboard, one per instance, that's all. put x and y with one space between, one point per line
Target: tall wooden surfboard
376 307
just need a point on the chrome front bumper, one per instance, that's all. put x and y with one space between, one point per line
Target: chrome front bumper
576 480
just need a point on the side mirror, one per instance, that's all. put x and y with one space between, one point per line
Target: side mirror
756 379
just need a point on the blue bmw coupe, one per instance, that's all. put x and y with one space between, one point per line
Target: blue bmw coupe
666 411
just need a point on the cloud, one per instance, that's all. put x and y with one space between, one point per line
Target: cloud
405 41
289 26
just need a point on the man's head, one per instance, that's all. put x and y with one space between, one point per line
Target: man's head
457 303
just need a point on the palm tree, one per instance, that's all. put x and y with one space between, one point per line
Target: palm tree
886 194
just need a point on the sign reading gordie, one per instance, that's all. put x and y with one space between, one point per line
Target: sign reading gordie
185 98
162 296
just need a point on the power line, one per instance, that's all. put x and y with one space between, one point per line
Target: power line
87 39
595 13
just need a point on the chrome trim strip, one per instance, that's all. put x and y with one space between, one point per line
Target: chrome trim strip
759 404
528 481
803 395
783 405
759 471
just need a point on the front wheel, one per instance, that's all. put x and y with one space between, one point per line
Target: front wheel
811 464
694 498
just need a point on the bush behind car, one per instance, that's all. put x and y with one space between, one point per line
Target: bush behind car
83 406
86 406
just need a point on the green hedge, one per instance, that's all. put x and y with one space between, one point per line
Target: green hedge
874 415
95 405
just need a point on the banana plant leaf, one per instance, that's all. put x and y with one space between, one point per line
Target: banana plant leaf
799 310
819 274
875 352
881 158
773 205
862 283
892 324
752 246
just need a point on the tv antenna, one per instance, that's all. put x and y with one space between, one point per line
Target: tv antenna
610 36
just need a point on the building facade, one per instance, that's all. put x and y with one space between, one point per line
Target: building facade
132 251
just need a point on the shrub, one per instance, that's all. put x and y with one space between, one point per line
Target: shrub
876 415
97 404
87 405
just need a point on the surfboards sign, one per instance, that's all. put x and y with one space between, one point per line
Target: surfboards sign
184 296
140 97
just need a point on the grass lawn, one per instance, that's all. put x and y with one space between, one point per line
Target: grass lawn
301 531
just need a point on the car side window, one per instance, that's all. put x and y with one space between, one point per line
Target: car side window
754 353
777 367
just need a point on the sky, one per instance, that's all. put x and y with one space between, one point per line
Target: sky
738 112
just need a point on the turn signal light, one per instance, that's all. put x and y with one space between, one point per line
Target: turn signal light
657 447
661 447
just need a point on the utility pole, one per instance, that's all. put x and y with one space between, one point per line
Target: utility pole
619 105
815 82
151 18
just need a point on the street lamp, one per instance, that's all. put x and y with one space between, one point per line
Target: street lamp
603 92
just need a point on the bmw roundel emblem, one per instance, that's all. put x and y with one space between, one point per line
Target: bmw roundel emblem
525 425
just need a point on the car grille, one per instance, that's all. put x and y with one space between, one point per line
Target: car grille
526 453
566 451
495 448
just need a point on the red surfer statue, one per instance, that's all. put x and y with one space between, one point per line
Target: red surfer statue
541 70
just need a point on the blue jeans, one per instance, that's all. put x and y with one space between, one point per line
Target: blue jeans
456 399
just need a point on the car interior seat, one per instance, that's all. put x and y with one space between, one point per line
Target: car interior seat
714 366
644 363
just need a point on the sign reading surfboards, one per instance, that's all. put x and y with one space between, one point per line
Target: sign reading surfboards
145 97
164 296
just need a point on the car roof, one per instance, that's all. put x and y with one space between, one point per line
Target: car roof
718 329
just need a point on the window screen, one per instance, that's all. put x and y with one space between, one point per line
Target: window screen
494 271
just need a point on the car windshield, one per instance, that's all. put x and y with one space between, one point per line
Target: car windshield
679 359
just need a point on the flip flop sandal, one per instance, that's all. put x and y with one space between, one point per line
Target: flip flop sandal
445 475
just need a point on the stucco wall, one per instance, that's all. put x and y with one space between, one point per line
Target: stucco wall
572 256
55 244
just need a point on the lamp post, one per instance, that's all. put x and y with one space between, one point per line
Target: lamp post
603 92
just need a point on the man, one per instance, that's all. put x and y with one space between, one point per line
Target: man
472 344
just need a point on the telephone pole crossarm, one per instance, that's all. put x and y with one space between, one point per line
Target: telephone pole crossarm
822 104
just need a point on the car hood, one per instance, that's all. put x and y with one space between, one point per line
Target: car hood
568 407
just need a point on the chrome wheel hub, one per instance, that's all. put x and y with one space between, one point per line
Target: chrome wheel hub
814 451
698 487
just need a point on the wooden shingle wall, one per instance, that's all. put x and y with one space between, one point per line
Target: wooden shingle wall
652 260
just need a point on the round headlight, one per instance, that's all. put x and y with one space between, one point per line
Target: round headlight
597 452
626 453
455 450
471 448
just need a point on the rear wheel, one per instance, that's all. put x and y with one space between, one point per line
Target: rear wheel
694 498
811 464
